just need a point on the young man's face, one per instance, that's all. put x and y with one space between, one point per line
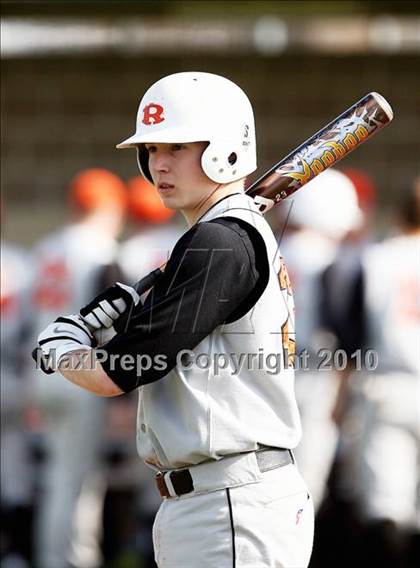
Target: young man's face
177 174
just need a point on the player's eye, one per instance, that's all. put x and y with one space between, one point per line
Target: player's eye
176 147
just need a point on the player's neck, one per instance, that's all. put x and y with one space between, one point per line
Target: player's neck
222 190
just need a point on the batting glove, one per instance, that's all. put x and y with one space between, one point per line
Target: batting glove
65 334
107 308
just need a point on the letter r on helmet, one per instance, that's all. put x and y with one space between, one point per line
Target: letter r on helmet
152 114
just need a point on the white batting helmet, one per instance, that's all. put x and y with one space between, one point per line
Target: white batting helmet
199 107
328 204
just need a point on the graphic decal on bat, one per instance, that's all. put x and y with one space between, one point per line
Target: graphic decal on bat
330 146
322 150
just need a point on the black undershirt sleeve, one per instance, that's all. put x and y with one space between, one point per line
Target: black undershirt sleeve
214 275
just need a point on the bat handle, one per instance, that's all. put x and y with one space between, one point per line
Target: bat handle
104 335
144 284
141 287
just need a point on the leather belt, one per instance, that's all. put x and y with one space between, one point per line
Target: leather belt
182 482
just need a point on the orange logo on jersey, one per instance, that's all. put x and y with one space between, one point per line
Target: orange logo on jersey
152 114
284 278
289 346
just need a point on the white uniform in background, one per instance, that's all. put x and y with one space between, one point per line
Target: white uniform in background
67 267
139 255
383 426
307 255
143 252
147 250
16 479
308 251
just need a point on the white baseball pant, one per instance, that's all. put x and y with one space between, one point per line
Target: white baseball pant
261 520
382 445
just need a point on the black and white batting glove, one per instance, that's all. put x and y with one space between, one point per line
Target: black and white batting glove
65 334
107 308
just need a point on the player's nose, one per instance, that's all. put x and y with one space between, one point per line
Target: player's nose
161 161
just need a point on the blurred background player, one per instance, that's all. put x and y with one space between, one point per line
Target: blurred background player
156 231
131 489
347 326
381 425
71 266
343 316
318 218
16 471
366 197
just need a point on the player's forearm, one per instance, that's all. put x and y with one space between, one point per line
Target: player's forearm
81 369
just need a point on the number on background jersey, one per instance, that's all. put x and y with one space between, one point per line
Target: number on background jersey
53 290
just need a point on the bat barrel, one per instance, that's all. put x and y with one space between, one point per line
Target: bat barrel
322 150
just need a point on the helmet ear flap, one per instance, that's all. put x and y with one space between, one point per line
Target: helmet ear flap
143 162
222 162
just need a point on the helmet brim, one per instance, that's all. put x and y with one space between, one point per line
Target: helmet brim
170 136
129 143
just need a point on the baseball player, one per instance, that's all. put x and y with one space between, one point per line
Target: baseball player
71 267
343 313
156 231
211 347
381 429
320 216
16 468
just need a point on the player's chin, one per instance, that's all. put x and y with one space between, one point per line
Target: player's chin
171 201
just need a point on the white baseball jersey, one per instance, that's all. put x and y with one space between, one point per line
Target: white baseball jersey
15 459
195 414
381 432
147 250
14 301
67 265
67 270
392 281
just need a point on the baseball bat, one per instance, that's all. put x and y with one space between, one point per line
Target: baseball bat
322 150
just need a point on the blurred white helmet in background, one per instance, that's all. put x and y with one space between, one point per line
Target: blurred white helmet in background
328 204
199 107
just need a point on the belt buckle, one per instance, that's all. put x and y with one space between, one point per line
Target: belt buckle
161 484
